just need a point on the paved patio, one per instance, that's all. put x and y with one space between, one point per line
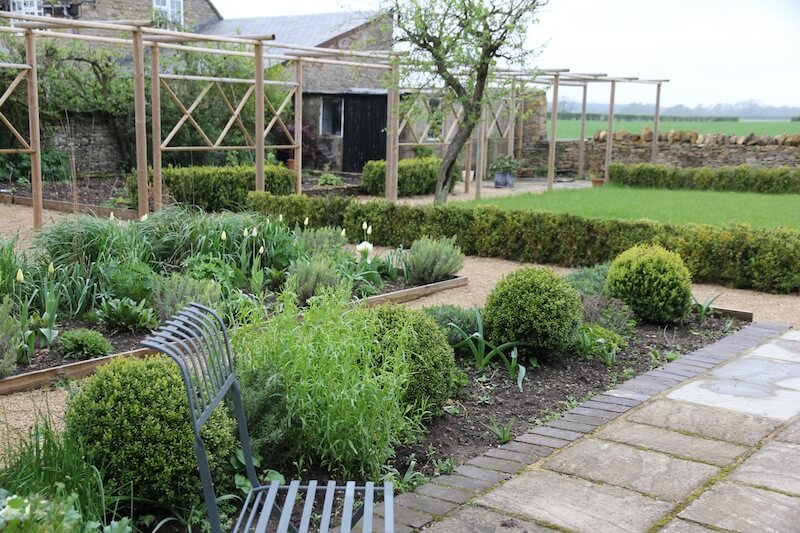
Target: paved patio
710 442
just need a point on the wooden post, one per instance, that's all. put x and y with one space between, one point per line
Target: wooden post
298 127
468 166
140 110
259 136
483 153
582 140
33 126
551 156
512 120
155 117
610 132
655 123
392 133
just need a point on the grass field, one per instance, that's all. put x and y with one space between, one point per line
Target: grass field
703 207
571 129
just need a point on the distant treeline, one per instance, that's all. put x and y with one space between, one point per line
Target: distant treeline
604 116
795 119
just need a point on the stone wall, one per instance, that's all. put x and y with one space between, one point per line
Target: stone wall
676 154
95 146
195 12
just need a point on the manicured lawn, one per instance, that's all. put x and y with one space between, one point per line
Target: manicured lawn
704 207
571 129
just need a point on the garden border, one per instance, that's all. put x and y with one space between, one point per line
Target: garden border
69 207
414 293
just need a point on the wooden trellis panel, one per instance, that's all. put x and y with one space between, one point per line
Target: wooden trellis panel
21 76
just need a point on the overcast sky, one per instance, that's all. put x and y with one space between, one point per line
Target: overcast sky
713 51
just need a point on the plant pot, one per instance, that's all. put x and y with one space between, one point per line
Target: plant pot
503 179
597 182
290 164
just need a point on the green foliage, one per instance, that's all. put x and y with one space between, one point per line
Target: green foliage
82 343
446 314
17 167
414 176
127 279
505 165
10 338
210 267
343 395
404 482
610 313
173 293
330 180
125 314
54 465
430 260
218 188
327 240
264 402
703 309
310 276
593 341
653 281
413 334
503 433
533 306
589 281
320 210
133 416
742 178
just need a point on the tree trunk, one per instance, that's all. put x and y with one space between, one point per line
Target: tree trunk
445 176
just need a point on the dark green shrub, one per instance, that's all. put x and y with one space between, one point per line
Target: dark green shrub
83 344
10 337
431 359
446 314
430 260
125 314
218 188
414 176
173 293
742 178
533 306
127 279
264 403
133 416
320 210
589 281
653 281
309 276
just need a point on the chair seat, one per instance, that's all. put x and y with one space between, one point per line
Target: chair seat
272 507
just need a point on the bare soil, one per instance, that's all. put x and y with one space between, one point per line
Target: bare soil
103 192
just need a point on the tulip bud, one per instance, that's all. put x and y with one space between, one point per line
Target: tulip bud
305 222
255 231
51 268
223 236
369 230
245 232
364 225
20 276
261 250
280 217
344 232
143 217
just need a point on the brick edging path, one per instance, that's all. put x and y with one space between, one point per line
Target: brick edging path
443 495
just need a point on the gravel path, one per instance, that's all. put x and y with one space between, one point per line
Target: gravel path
17 221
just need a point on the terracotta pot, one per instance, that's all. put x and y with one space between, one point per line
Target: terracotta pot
290 164
597 182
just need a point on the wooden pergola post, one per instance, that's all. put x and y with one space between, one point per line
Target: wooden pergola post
656 118
260 133
140 111
512 120
392 133
155 117
610 132
551 157
582 140
33 126
468 166
298 127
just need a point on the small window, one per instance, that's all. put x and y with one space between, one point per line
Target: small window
27 7
171 10
331 116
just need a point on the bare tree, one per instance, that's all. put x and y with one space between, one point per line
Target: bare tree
457 42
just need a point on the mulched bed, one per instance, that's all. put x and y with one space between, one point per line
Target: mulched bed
102 192
490 397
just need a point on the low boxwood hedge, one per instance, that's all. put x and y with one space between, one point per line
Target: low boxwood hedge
738 255
414 176
742 178
217 188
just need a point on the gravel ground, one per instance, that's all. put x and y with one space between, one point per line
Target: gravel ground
17 220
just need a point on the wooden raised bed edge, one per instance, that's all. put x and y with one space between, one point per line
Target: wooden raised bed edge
80 369
747 316
67 207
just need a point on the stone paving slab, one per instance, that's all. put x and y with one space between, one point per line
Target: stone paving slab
575 504
741 508
710 451
790 434
652 473
775 466
705 421
682 526
753 398
472 519
793 335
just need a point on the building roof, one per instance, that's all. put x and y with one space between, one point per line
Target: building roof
307 30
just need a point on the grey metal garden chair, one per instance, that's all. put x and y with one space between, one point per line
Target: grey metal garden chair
196 339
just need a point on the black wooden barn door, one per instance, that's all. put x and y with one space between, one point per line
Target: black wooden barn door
364 130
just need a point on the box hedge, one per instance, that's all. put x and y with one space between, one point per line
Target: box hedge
217 188
414 176
742 178
737 255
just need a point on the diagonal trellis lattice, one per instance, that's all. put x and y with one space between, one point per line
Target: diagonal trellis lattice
25 144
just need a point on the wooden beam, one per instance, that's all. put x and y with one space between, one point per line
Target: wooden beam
140 111
33 126
582 140
155 121
551 156
392 135
610 132
656 119
259 60
298 127
512 120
